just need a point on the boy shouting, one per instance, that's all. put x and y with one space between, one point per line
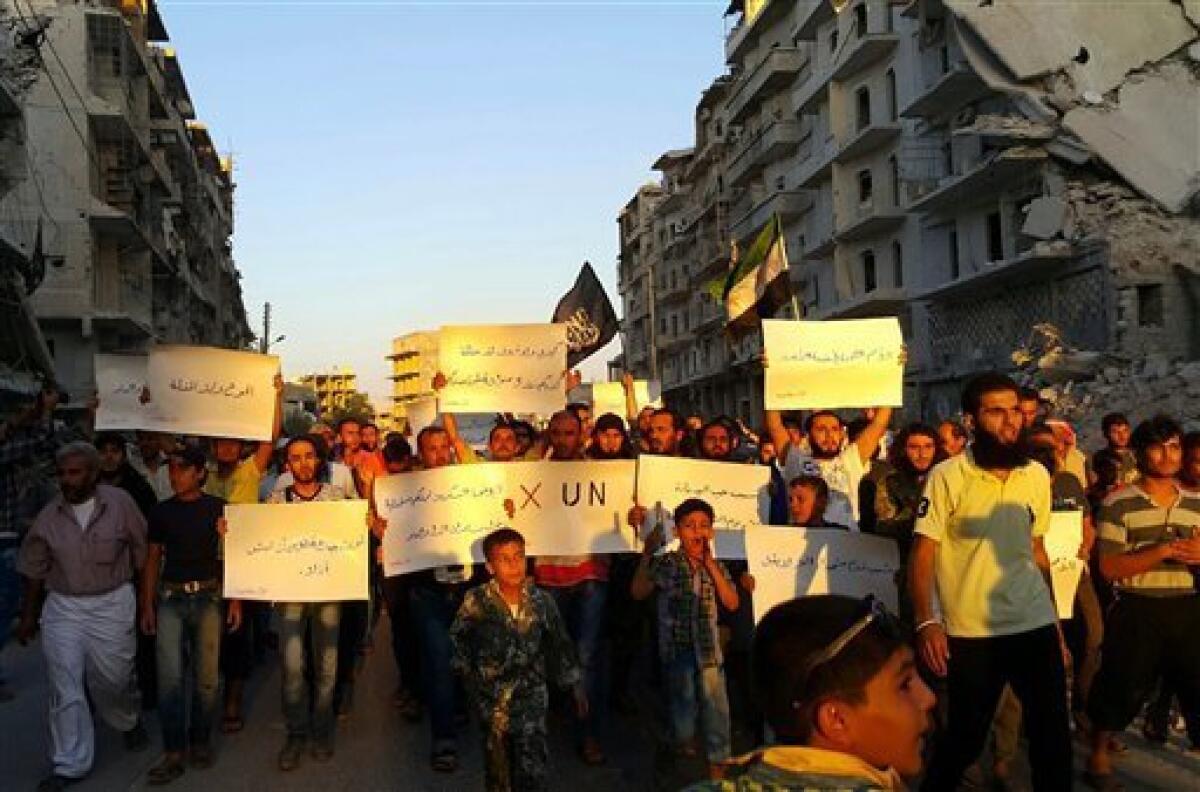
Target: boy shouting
508 638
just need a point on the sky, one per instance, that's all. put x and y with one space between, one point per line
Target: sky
403 165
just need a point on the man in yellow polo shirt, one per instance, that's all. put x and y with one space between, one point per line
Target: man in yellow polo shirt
979 539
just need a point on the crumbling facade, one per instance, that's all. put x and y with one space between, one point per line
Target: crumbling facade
133 204
971 168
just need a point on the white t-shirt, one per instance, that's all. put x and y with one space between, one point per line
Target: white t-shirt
843 474
83 511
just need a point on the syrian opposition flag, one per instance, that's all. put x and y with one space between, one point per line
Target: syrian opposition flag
589 316
758 285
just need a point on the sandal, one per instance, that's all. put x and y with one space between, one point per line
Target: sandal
232 724
445 760
165 771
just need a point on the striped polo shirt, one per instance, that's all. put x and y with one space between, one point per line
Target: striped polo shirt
1130 521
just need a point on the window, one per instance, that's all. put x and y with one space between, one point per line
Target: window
891 94
1150 305
948 157
995 237
897 264
945 53
833 44
863 105
894 168
868 265
816 289
864 186
954 265
860 20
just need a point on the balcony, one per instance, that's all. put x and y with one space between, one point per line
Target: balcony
788 204
888 301
770 145
818 14
1041 261
673 291
869 219
868 140
747 30
807 98
865 50
819 243
819 167
948 92
776 70
983 182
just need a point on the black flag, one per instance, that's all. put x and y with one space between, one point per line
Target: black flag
589 316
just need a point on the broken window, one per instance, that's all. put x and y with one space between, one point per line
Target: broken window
891 94
863 103
1150 305
868 265
954 264
864 186
995 237
897 264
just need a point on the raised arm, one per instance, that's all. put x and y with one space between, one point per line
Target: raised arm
868 440
262 454
773 420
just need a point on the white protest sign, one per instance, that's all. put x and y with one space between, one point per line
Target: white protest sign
1063 540
739 494
439 517
212 392
503 368
120 380
572 508
609 397
846 363
297 552
796 562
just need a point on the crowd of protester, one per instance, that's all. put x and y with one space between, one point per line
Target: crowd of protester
121 568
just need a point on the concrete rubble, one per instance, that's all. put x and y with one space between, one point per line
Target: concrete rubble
1116 82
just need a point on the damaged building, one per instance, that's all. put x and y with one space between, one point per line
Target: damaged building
119 189
975 169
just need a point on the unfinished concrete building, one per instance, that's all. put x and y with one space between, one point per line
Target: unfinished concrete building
635 228
137 205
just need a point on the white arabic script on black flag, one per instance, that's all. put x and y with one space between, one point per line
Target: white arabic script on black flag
589 316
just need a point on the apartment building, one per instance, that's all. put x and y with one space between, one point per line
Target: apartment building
637 258
333 389
414 363
133 204
926 163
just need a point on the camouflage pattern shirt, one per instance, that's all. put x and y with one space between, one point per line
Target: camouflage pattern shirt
507 658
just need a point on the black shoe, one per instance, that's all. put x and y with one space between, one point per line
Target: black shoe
289 757
136 738
55 782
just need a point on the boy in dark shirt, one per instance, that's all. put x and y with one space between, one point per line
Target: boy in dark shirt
184 542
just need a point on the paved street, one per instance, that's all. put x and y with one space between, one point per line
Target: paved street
377 750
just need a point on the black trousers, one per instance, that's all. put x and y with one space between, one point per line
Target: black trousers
1148 639
1031 662
404 634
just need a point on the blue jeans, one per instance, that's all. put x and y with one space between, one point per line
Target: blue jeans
320 620
189 632
692 691
583 609
433 611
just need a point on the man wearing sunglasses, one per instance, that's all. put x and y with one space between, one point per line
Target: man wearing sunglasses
979 537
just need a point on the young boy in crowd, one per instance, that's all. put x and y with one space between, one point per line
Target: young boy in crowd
808 498
839 686
508 638
690 583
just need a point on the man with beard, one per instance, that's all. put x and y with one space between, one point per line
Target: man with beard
116 471
85 548
979 537
842 468
309 724
150 460
1117 431
609 439
1150 548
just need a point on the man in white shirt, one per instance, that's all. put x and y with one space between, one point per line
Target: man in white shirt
841 464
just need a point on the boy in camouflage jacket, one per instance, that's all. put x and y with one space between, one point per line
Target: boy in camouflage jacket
509 639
